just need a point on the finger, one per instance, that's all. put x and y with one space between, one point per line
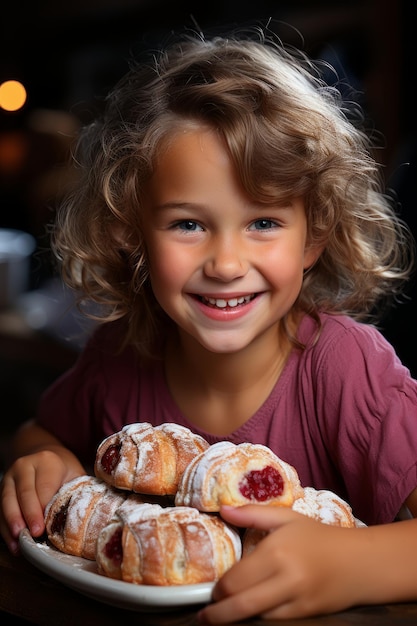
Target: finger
11 520
10 532
46 486
264 517
10 507
11 542
258 599
254 568
28 501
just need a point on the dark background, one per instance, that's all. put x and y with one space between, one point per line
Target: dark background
68 54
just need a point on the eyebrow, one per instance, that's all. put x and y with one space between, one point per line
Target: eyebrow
184 206
175 205
192 205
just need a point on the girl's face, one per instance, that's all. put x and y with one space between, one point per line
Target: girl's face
225 268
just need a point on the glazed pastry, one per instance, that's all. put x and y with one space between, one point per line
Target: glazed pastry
153 545
147 459
322 505
232 474
77 513
326 507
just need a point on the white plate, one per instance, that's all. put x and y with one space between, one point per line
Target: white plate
81 575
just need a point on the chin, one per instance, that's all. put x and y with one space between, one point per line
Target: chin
224 346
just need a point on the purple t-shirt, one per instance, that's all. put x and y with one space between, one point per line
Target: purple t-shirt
343 412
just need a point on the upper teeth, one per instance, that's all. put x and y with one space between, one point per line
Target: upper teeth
222 303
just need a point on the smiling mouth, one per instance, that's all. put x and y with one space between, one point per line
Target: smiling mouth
222 303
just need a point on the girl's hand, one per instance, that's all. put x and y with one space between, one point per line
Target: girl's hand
301 568
26 489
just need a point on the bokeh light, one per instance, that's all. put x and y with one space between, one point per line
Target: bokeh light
12 95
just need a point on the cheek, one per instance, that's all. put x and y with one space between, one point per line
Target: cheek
162 274
167 273
284 266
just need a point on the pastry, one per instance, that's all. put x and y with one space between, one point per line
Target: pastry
77 513
322 505
326 507
147 459
237 474
153 545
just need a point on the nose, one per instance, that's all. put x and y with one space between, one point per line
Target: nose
226 259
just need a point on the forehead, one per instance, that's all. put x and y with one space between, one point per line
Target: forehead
192 152
184 131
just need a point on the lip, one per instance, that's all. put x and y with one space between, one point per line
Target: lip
225 296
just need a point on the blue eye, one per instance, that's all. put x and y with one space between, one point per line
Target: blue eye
263 224
188 225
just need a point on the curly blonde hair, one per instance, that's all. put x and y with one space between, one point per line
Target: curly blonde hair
289 134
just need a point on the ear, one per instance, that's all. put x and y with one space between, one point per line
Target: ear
311 255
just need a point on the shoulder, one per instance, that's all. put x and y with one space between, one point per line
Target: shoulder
108 337
352 357
107 344
356 366
105 360
345 337
118 363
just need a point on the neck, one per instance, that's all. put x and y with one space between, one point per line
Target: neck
231 371
219 392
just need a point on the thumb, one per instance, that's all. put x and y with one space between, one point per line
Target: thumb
259 516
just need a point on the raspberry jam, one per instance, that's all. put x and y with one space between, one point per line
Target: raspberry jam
111 457
113 548
60 517
261 485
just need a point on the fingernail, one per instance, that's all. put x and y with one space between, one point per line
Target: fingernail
35 530
201 619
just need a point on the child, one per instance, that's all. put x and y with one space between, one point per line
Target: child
230 223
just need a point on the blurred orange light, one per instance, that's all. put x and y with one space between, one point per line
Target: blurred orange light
12 95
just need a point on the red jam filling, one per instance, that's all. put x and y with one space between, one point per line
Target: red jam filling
113 548
111 457
60 517
261 485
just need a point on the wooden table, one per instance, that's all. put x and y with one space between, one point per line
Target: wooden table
28 594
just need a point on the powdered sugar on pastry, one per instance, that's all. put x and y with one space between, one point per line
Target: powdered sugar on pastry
237 474
322 505
78 511
147 459
326 507
167 546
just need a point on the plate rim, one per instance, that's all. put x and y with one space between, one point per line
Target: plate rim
110 591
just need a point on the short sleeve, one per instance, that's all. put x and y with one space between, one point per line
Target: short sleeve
367 408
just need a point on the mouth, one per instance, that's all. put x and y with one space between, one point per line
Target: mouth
222 303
